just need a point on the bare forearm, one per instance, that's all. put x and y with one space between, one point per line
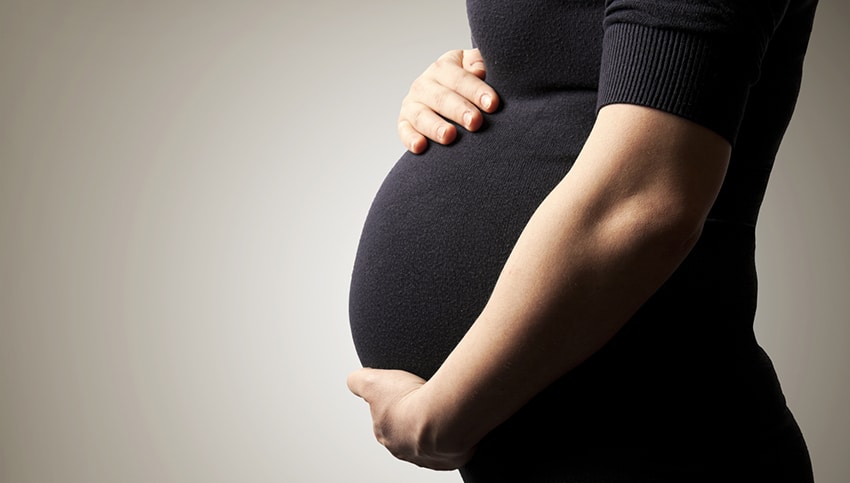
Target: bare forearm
599 245
563 294
593 252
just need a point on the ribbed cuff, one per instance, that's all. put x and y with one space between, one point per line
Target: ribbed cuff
692 76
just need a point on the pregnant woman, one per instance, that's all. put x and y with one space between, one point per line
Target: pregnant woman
567 293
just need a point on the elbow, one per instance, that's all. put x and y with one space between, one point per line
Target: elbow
665 226
686 236
678 225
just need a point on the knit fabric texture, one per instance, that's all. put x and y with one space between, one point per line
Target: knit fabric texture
683 392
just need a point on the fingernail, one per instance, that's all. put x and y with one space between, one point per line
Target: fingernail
441 133
467 118
486 101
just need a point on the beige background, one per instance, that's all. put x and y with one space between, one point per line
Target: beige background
182 185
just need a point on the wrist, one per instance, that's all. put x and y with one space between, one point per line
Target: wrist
441 428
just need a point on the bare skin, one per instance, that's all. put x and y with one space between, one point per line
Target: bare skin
452 88
602 242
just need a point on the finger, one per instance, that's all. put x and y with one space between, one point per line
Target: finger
376 383
451 88
415 142
431 120
429 96
449 72
419 118
359 381
473 62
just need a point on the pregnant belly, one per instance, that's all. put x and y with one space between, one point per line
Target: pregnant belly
443 223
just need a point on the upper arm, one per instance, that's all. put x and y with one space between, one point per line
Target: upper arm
697 59
650 165
674 80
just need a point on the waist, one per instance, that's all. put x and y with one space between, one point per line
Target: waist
531 47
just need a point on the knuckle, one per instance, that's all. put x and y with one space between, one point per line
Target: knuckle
438 66
433 68
417 88
441 98
416 116
424 123
403 128
405 111
450 54
448 60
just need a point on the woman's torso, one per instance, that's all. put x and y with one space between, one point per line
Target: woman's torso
444 222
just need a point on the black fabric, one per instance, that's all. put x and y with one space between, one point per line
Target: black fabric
694 59
683 392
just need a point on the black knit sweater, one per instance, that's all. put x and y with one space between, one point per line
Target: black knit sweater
683 392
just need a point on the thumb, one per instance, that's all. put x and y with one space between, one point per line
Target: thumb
360 380
373 384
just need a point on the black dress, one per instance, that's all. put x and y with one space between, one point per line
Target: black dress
683 392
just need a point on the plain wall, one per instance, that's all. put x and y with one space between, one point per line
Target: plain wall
182 186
